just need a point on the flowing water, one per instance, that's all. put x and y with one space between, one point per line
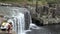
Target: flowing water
21 24
16 16
18 23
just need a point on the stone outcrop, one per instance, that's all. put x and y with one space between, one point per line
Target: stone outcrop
45 14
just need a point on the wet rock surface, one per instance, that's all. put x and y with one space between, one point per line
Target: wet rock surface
6 32
49 29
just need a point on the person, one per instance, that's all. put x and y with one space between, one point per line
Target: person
3 25
10 28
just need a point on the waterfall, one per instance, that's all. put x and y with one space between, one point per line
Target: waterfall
18 14
18 23
21 23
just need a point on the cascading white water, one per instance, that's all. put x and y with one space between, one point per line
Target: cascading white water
18 19
21 23
18 23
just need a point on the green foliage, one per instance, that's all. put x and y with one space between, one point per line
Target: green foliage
51 1
5 0
30 0
18 1
43 1
2 0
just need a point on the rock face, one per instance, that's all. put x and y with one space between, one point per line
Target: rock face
44 14
6 32
27 21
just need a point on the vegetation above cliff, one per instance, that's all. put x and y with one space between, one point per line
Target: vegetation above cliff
42 2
